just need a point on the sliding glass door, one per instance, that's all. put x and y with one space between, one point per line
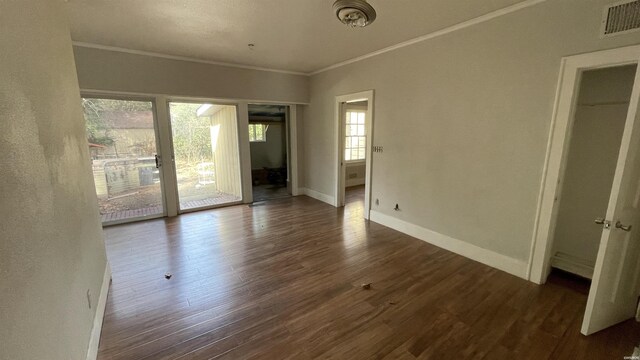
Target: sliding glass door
121 136
206 153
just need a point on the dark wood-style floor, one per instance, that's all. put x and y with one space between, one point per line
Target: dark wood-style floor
283 281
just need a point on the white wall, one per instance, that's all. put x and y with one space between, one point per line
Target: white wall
118 71
464 120
300 133
51 245
591 162
271 153
354 174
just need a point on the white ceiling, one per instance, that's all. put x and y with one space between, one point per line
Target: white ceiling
294 35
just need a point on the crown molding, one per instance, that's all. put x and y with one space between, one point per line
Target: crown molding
182 58
447 30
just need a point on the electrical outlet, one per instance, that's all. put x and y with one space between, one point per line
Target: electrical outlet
89 297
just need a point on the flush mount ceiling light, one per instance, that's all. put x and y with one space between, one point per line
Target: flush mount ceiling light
354 13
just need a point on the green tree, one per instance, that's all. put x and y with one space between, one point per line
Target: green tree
191 134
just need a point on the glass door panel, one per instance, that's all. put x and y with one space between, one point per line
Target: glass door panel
122 142
206 153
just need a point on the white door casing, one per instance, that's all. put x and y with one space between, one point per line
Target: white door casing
339 146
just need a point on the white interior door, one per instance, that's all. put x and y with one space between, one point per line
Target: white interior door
614 288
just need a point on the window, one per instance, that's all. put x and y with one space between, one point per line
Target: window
355 138
258 132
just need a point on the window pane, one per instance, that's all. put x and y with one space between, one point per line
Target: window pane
347 155
348 117
361 118
360 129
355 142
122 144
362 141
354 154
361 153
252 136
258 132
354 117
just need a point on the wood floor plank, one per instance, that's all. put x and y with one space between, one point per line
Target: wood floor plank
284 281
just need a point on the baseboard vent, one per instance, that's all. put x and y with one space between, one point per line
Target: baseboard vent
620 18
572 264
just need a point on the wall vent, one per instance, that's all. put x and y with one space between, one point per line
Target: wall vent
621 18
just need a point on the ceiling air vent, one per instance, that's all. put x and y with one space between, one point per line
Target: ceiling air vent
621 18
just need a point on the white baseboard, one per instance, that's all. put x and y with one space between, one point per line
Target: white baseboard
573 264
319 196
94 342
473 252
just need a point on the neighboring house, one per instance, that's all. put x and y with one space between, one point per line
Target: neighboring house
132 133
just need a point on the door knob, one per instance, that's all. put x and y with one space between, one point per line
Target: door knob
623 227
602 221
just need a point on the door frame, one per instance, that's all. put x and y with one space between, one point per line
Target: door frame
339 197
159 148
241 159
291 148
571 69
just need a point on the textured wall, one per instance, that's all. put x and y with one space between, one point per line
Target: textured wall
51 245
464 120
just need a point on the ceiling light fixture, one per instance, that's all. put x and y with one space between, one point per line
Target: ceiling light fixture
354 13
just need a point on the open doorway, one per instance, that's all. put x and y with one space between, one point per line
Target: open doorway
206 154
269 145
600 115
354 124
355 140
589 208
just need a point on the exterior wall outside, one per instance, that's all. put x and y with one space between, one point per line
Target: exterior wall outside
227 156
